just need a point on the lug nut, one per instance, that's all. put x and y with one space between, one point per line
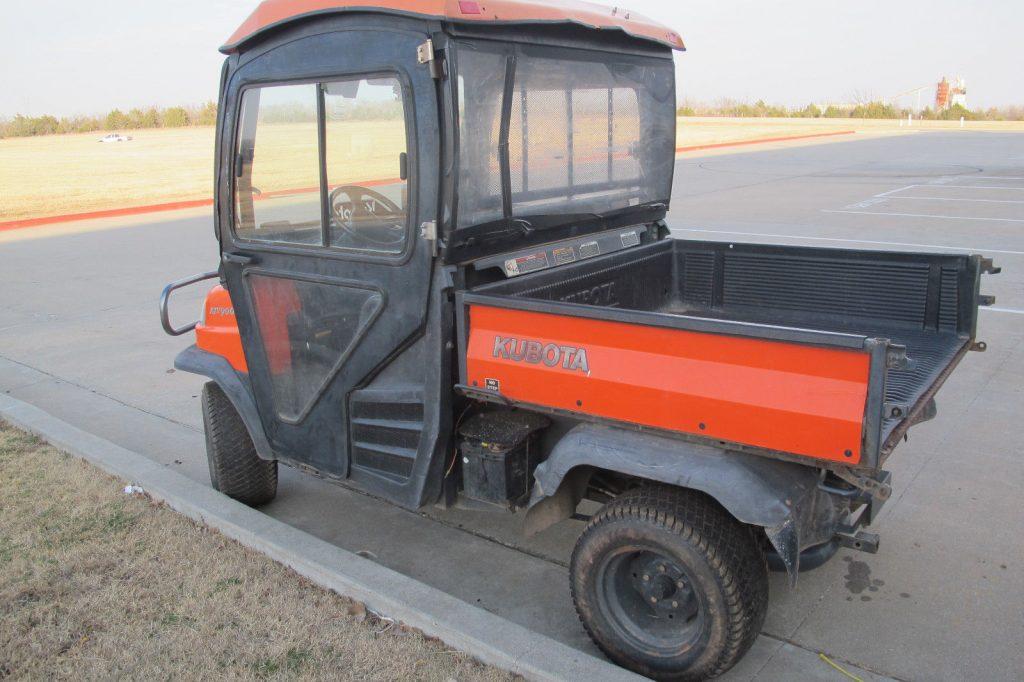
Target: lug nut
675 604
661 569
654 600
646 577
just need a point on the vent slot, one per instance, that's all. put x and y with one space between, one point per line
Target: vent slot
385 429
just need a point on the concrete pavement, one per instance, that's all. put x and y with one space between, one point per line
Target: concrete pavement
942 599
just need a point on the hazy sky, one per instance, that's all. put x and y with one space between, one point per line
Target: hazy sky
63 57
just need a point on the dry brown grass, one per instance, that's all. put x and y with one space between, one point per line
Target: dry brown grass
699 130
57 174
97 584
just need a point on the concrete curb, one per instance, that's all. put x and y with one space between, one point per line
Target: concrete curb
487 637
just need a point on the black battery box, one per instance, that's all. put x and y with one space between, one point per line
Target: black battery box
499 452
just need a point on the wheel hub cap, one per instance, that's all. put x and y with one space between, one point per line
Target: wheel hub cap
663 587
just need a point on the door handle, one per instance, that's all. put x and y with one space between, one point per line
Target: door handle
239 259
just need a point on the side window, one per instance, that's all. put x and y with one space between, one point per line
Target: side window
277 167
279 196
367 164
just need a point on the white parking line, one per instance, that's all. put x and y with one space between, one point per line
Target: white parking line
989 177
943 185
1012 189
927 215
940 247
1012 311
894 191
990 201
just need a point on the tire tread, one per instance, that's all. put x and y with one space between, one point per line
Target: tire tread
729 547
235 468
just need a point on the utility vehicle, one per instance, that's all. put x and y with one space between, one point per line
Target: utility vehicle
446 277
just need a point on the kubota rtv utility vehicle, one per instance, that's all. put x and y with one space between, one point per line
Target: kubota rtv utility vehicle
446 277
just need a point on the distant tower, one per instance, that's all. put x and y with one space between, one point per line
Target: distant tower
942 94
958 93
947 95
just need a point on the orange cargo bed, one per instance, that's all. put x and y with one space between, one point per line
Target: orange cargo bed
784 350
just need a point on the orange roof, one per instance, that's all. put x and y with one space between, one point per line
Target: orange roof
271 13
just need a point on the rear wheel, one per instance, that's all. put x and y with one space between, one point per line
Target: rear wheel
235 468
669 585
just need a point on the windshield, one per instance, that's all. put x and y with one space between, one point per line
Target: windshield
547 131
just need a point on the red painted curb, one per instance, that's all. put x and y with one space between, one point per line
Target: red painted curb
762 140
110 213
196 203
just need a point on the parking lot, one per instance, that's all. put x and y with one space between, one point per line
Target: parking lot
943 598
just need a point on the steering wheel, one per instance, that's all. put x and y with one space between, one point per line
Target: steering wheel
367 216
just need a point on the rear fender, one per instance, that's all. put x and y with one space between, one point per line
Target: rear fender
781 497
235 386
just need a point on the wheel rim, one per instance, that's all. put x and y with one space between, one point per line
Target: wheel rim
649 599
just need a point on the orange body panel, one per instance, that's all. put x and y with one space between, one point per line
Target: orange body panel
272 13
218 331
789 397
275 299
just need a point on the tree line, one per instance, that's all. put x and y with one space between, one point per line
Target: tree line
133 119
867 110
206 114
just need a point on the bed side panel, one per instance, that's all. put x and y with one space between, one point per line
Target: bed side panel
790 397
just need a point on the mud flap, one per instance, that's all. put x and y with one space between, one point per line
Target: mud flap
781 497
235 386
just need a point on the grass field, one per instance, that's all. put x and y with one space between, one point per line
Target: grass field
96 584
57 174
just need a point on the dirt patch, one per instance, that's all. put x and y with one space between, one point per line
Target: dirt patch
95 583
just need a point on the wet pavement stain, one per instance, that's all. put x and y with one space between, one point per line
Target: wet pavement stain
858 575
858 578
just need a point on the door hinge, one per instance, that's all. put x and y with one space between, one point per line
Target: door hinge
425 55
988 268
425 52
428 231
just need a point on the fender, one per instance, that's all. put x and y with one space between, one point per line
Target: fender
781 497
234 384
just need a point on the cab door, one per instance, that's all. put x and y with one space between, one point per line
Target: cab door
327 168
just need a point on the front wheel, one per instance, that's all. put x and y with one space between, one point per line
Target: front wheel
235 468
669 585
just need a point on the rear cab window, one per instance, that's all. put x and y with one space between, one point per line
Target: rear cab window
586 132
324 165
